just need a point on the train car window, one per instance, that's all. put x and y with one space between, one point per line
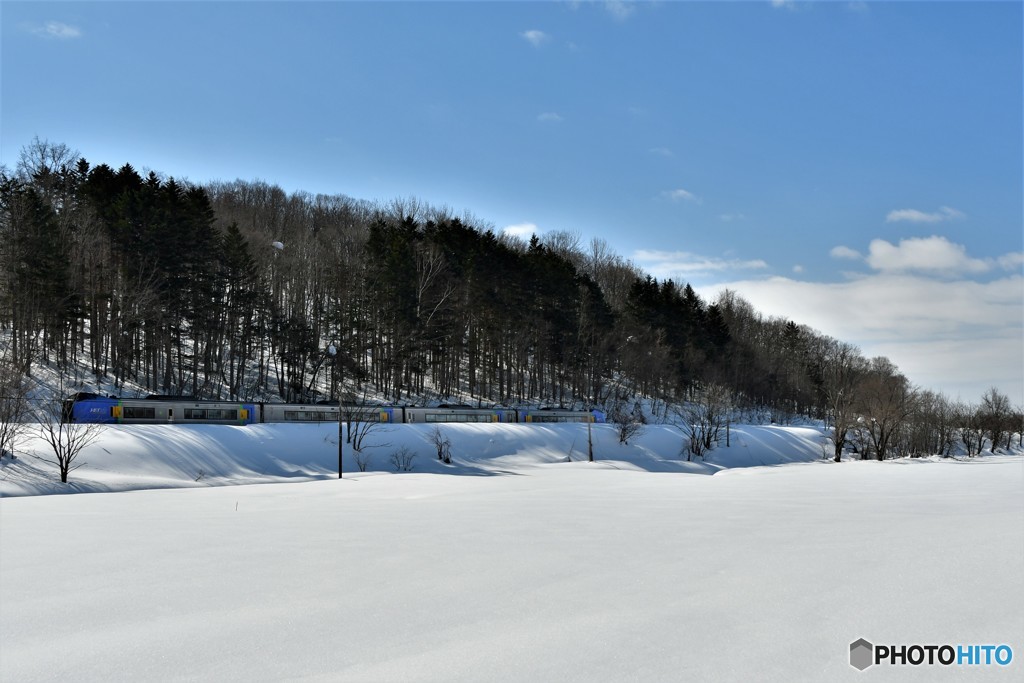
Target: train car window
138 413
458 417
210 414
304 415
557 418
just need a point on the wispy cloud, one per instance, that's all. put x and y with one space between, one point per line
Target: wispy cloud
944 213
535 37
731 217
550 117
661 152
1012 261
620 9
681 195
784 4
673 264
55 29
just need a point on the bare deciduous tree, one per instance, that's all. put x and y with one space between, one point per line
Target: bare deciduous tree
996 416
887 402
841 372
967 417
629 423
14 407
362 460
66 438
362 420
703 419
402 459
443 445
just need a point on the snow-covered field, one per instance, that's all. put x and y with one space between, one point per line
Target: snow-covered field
534 565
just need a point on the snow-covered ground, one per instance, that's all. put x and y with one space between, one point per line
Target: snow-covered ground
132 457
534 565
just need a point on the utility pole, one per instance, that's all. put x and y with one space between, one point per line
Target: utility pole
333 351
590 441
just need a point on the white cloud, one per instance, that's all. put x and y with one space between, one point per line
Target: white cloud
845 253
784 4
798 268
661 151
925 254
535 37
955 336
56 29
681 195
934 255
676 264
521 230
730 217
550 117
1012 261
944 213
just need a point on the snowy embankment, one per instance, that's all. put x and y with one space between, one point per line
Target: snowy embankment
131 457
551 572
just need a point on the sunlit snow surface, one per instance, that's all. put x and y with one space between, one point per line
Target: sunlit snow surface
526 568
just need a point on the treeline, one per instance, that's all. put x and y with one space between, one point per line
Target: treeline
241 290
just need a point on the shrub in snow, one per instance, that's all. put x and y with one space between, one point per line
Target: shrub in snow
402 459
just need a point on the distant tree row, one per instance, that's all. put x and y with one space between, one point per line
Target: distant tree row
236 289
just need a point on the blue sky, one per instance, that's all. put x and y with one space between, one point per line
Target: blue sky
853 166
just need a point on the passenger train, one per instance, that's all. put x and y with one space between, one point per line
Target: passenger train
154 409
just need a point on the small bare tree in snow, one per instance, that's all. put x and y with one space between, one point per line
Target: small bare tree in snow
629 423
14 409
703 420
362 420
362 460
66 439
443 445
402 459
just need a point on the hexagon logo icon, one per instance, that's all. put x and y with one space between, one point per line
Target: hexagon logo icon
861 654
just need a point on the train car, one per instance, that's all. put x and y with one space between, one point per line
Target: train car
325 412
456 413
550 415
293 412
160 409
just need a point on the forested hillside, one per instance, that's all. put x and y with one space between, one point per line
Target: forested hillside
236 290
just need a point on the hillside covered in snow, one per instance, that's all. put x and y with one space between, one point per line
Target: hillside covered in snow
129 457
